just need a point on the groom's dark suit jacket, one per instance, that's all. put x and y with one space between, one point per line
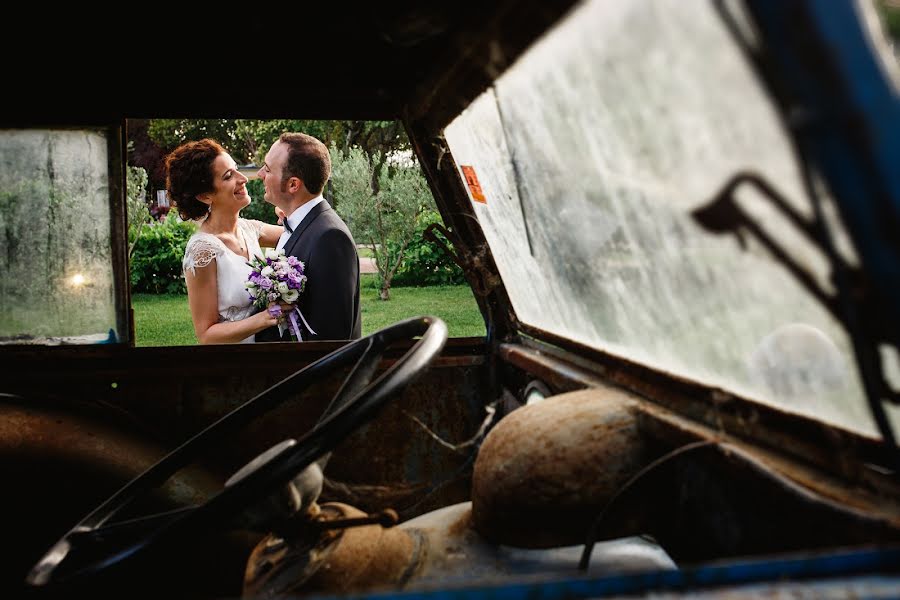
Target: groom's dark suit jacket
330 302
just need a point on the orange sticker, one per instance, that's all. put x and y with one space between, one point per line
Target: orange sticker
474 186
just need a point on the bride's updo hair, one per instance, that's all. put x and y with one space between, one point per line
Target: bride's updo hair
189 173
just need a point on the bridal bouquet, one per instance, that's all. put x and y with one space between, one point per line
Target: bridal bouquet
278 278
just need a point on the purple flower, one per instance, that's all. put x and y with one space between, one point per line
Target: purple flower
273 279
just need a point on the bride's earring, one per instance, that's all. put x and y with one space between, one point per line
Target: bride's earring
208 204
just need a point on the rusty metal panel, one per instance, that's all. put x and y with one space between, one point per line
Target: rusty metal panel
172 393
567 365
58 464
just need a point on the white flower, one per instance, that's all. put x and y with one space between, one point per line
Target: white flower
253 292
267 271
273 254
282 288
249 285
290 296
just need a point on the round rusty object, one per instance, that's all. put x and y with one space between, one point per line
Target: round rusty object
340 561
545 471
363 558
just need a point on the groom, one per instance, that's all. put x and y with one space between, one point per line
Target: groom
294 174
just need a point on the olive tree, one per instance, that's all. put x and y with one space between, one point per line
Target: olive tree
384 220
136 205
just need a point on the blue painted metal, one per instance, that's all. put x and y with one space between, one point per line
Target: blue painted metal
844 114
715 577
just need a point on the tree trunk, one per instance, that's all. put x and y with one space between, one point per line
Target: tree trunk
137 236
385 293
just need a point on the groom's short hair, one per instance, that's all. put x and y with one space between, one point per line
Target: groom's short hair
307 159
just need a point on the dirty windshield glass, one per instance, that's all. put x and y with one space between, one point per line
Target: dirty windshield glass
882 24
591 154
56 274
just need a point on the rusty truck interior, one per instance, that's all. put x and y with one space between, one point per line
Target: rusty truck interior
681 225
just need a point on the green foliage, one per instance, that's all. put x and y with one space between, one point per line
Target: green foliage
378 140
383 216
353 193
259 209
136 204
249 140
889 14
170 133
425 263
156 260
258 136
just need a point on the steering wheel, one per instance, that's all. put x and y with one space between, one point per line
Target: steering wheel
93 551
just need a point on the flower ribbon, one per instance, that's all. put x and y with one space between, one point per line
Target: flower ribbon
275 311
293 317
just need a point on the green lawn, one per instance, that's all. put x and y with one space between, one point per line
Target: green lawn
164 320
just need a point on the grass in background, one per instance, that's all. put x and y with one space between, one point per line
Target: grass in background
162 320
454 304
165 320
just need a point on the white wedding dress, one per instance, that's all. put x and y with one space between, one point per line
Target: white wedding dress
232 269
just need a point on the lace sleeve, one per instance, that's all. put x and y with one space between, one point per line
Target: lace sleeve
199 253
254 226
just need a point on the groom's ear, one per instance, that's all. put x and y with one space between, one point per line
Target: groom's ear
295 184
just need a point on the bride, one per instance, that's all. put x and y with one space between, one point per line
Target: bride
205 185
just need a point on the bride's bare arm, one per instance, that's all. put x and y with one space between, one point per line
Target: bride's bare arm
203 299
269 234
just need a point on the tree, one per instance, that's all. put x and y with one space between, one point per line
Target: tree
248 140
145 153
385 220
136 205
258 136
170 133
378 140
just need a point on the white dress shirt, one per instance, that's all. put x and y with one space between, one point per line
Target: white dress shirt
294 219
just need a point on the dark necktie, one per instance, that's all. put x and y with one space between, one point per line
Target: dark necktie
288 226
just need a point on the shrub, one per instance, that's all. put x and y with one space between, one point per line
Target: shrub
156 260
425 263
